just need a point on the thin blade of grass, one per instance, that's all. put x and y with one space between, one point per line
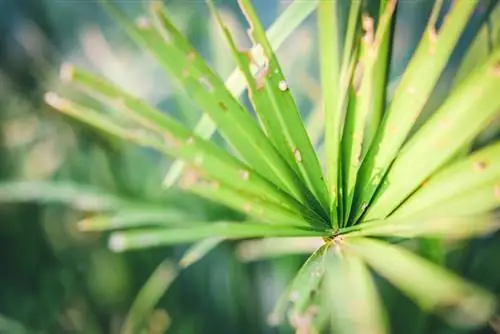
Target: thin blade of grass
450 227
372 61
330 80
380 72
462 116
134 218
139 239
283 123
482 168
428 285
258 250
198 251
355 306
277 33
81 197
159 282
148 297
411 95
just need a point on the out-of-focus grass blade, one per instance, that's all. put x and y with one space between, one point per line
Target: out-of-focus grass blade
368 104
198 251
448 227
479 169
278 111
328 30
262 249
431 287
180 141
464 114
127 240
300 290
411 95
485 41
134 218
355 306
291 18
479 200
81 197
183 63
148 297
159 282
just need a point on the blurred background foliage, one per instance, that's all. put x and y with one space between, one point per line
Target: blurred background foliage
55 278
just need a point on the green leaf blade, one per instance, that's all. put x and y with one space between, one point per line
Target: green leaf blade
431 287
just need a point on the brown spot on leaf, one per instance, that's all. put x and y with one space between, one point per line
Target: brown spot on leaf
191 56
480 165
222 106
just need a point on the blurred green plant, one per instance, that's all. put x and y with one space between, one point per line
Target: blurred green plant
387 178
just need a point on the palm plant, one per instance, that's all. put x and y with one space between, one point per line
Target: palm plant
387 177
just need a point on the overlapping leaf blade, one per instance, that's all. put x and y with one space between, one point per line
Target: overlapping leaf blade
452 226
482 168
143 238
355 306
184 64
367 104
215 162
285 128
328 28
431 287
295 13
195 180
410 96
463 115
